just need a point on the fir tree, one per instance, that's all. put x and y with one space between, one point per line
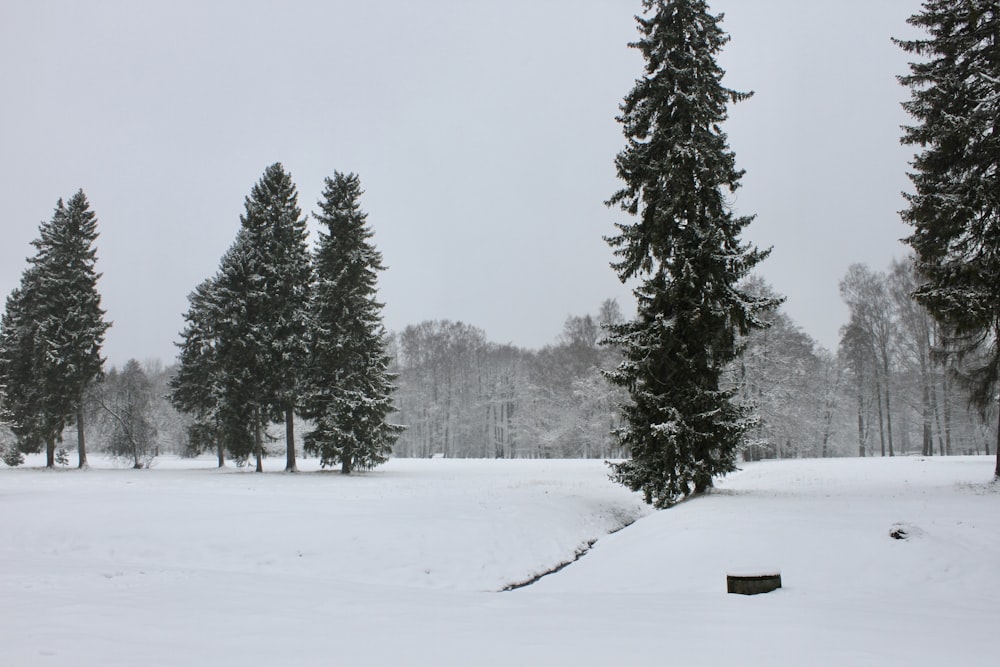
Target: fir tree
193 388
258 323
22 407
72 326
955 209
56 323
681 427
349 385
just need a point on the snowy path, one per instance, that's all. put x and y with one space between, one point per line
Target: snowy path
181 566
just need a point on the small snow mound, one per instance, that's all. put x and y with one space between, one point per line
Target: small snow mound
904 531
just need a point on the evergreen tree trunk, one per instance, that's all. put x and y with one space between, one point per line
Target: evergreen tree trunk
50 451
220 450
81 444
290 465
258 442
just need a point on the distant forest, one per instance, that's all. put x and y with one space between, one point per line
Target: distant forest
462 395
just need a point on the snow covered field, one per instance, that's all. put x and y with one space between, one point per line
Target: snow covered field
188 565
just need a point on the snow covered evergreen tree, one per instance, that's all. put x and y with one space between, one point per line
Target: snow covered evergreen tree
350 388
955 211
260 319
54 330
680 427
23 409
193 388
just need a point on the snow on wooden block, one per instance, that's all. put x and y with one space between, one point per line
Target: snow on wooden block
753 582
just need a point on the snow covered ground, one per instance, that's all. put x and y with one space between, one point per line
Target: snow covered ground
188 565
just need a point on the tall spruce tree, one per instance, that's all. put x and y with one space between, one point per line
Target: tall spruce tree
23 409
681 426
193 388
56 322
955 210
261 299
350 387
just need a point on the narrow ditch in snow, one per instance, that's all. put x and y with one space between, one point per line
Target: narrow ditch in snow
580 553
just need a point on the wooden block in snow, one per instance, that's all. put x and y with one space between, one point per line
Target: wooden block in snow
752 583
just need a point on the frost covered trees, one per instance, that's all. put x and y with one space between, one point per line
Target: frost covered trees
125 399
681 427
52 332
278 331
244 345
870 336
349 387
791 385
955 209
462 395
887 349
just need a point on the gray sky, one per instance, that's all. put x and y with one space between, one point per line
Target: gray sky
483 133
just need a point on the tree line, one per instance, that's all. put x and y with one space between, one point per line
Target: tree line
279 331
463 395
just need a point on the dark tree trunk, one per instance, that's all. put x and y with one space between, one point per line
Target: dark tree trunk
221 451
81 444
50 452
702 483
290 465
345 463
258 444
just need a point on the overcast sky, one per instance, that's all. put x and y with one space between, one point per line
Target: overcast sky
483 133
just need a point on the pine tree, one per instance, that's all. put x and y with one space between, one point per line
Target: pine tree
349 384
680 427
193 388
72 326
955 210
22 406
56 324
255 332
